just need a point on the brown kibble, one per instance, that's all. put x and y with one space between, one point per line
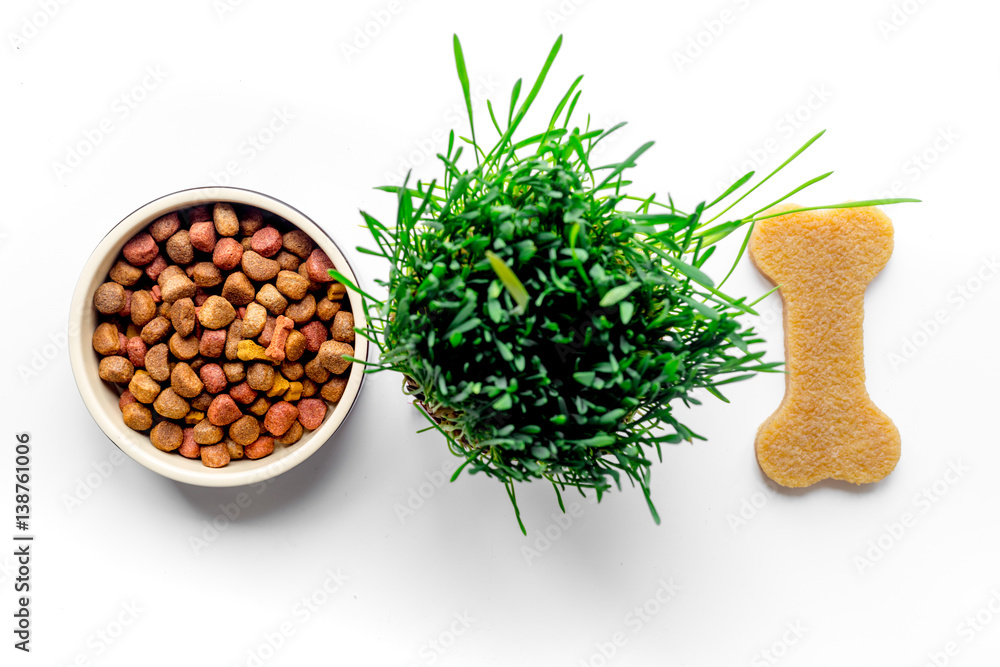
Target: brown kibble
292 370
309 388
163 228
280 417
197 363
330 355
140 250
302 311
207 433
292 285
227 254
342 328
292 435
156 267
214 456
109 298
260 406
253 323
135 349
269 297
213 378
202 401
260 376
287 261
175 287
318 266
333 390
224 217
179 248
251 220
233 337
115 369
260 448
268 332
155 330
223 410
189 448
326 310
316 372
157 363
243 393
182 316
216 313
311 413
336 292
235 371
298 243
185 381
315 335
235 450
206 274
143 387
203 235
166 436
105 339
143 308
170 405
258 268
266 242
245 430
137 416
183 347
125 274
295 346
246 244
238 290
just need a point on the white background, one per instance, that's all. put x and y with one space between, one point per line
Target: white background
908 93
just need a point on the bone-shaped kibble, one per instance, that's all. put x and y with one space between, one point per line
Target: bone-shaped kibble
826 426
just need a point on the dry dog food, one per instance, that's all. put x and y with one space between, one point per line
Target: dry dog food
224 332
826 426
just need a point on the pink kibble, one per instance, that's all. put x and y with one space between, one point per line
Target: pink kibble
213 378
223 410
125 399
260 448
122 341
315 333
155 291
189 448
202 235
243 393
213 342
311 413
200 297
318 266
280 417
199 213
156 267
266 242
228 253
242 310
141 249
126 310
136 350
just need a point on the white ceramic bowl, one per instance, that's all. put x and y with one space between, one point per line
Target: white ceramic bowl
101 398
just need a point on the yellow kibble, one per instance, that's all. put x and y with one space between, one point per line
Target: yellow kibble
336 291
247 350
194 417
294 392
279 387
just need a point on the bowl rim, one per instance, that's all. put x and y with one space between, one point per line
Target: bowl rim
83 360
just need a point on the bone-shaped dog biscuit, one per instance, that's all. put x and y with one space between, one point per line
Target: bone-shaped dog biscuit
826 426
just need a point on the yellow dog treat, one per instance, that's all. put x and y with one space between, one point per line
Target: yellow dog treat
826 426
